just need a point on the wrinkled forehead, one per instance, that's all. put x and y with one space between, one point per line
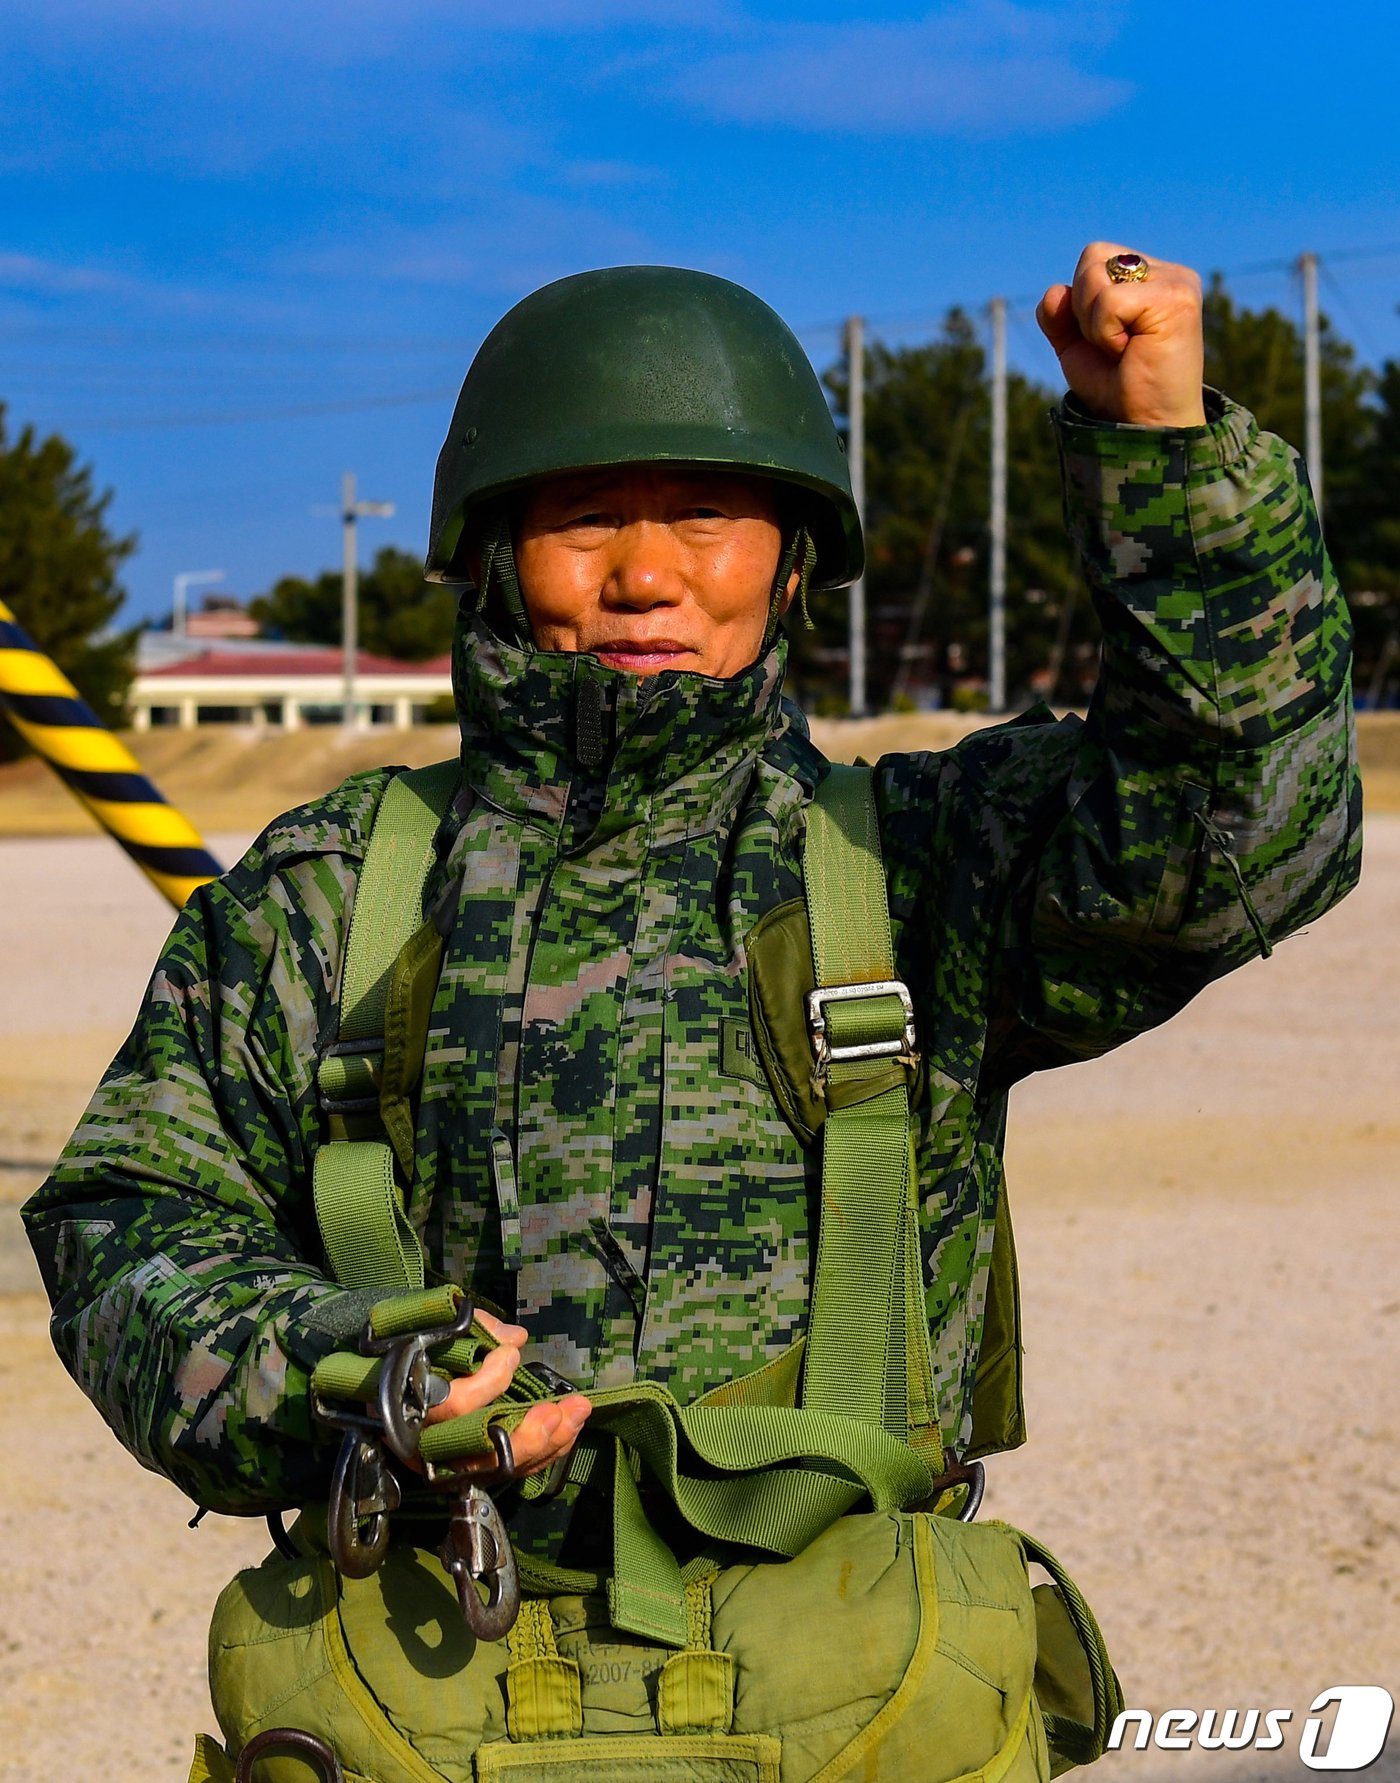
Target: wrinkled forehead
669 483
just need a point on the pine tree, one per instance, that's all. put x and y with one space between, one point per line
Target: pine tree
58 570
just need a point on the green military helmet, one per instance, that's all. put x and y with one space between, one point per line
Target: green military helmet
643 365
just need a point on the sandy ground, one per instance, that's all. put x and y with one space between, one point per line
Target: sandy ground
1211 1271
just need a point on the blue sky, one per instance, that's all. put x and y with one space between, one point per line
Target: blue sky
246 247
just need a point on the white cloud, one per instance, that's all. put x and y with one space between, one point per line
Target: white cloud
30 275
986 67
232 88
42 294
342 31
513 243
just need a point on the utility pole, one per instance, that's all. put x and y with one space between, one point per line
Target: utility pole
352 511
855 450
996 604
187 579
1312 375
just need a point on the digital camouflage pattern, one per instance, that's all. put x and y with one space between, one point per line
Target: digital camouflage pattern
593 1154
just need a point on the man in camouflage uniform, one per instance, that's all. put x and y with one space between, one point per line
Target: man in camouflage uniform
598 1154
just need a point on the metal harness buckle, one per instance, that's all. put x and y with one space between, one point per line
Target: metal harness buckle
364 1494
901 1046
372 1053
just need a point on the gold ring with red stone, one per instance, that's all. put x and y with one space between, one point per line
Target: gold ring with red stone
1126 269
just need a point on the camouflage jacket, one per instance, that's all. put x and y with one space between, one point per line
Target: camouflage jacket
595 1150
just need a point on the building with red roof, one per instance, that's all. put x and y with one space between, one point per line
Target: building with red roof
189 682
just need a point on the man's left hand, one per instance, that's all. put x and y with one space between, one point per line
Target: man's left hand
1134 351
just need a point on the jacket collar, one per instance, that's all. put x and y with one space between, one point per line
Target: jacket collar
589 752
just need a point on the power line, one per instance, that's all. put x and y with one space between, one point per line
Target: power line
301 411
1361 328
193 340
423 398
315 341
1382 251
1033 341
1028 300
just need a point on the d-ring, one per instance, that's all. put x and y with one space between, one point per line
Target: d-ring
971 1474
294 1740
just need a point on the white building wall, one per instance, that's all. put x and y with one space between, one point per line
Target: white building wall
289 695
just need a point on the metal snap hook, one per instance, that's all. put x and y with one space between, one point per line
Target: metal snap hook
363 1494
408 1388
476 1550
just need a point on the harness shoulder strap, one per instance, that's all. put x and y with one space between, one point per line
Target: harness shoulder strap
867 1347
359 1207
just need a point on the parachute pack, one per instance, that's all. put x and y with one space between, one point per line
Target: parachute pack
789 1586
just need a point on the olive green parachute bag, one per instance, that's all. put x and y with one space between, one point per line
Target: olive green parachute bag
826 1613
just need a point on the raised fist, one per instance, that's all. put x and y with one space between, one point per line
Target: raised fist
1131 350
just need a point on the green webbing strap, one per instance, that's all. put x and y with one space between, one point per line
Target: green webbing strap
646 1594
359 1208
429 1309
544 1699
347 1374
361 1215
766 1477
746 1469
389 897
859 1350
544 1691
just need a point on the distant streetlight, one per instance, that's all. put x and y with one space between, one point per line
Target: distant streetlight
352 511
186 580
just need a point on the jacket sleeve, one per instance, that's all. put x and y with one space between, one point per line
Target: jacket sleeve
1208 805
176 1235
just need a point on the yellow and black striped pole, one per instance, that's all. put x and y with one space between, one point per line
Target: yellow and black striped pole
58 724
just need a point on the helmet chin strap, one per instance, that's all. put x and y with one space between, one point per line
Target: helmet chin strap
498 560
800 554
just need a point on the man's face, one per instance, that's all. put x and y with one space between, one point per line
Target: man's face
651 567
